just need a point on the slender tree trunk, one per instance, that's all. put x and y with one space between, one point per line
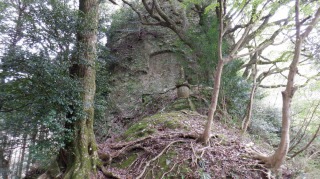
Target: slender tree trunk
309 143
4 163
16 166
247 117
295 141
204 138
23 151
304 131
275 161
32 143
83 148
214 101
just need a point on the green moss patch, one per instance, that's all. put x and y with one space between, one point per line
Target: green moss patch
158 122
170 120
138 130
179 104
126 162
164 167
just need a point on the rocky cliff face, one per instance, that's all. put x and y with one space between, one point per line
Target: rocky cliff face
144 75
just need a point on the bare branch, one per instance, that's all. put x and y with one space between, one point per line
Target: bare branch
313 137
272 86
311 25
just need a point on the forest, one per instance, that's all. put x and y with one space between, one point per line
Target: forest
156 89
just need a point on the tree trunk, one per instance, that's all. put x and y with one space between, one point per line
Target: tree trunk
16 164
214 101
32 143
275 161
308 144
204 138
4 163
247 117
83 149
23 151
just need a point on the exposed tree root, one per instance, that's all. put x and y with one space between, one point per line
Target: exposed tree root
150 157
121 145
155 158
267 161
109 174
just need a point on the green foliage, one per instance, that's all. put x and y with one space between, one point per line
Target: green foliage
36 91
120 20
101 126
211 7
266 123
205 38
234 88
38 94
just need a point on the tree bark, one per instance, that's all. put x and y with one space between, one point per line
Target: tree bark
4 163
83 148
275 161
214 101
23 151
204 138
247 117
30 161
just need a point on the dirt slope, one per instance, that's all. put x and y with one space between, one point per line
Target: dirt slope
165 146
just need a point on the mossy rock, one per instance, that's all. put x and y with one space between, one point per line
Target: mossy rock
149 125
138 130
180 104
192 103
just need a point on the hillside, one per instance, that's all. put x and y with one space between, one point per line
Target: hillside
164 146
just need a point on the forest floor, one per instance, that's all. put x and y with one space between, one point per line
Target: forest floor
165 146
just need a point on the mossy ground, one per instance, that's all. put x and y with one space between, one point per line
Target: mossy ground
158 122
126 162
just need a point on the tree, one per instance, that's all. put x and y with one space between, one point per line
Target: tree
247 35
275 161
82 150
255 19
38 90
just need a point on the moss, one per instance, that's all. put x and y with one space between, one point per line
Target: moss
185 169
179 104
192 106
166 162
125 163
163 165
167 120
149 125
138 130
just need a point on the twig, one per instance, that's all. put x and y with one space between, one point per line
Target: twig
169 170
194 154
133 162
